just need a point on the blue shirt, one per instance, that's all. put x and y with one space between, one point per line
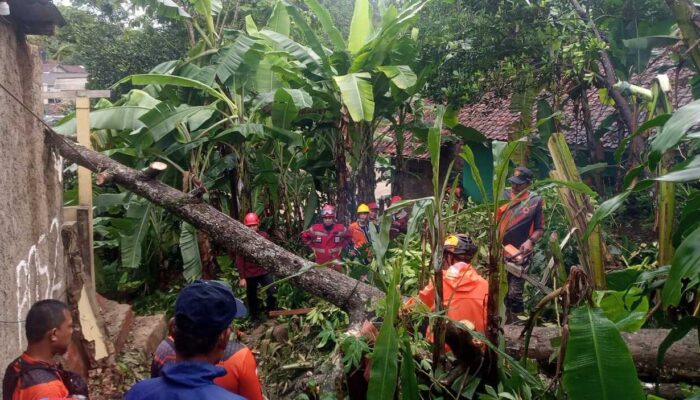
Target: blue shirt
185 380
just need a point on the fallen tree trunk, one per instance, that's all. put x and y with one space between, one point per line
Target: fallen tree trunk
681 363
347 293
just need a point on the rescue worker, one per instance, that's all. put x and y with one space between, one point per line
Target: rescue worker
241 369
253 276
327 239
521 224
465 292
204 311
399 219
359 229
34 375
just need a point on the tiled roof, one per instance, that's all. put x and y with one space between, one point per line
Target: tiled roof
62 68
494 117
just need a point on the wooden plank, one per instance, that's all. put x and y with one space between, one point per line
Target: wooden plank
72 94
82 117
70 214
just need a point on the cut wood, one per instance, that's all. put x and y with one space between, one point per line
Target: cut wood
681 363
347 293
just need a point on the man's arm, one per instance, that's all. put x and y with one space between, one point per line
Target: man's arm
538 229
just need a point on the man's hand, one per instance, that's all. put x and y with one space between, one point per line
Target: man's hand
527 247
242 282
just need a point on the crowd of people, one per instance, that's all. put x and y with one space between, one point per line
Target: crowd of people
200 360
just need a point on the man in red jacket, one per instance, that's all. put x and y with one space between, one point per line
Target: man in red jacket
253 276
328 239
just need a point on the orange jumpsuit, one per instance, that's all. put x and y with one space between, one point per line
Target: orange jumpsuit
465 292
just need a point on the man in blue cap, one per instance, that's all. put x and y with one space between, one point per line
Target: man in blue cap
204 311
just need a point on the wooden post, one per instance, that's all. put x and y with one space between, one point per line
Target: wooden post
82 117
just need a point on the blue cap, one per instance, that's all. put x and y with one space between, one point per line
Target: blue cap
210 305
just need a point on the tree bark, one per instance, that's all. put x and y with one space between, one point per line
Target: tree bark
681 363
688 18
366 178
349 294
343 191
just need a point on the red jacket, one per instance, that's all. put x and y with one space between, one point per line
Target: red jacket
326 244
249 269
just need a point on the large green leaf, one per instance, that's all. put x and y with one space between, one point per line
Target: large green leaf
685 264
311 38
650 42
286 105
130 245
189 249
401 75
360 26
164 118
409 383
117 118
307 57
597 364
626 309
356 94
279 19
687 173
240 58
327 23
604 210
674 130
159 79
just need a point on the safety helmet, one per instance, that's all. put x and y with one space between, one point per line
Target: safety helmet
395 199
373 206
362 208
251 219
459 244
328 211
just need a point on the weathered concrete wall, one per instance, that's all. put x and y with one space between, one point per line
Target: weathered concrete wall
31 251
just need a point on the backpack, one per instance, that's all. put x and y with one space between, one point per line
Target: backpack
72 381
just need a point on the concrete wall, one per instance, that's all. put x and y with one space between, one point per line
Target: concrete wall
31 252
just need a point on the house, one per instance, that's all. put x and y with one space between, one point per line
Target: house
496 119
57 77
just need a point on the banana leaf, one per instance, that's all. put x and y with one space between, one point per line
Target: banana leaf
189 249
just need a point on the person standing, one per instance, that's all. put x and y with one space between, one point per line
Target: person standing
33 375
204 311
327 239
253 276
521 224
374 214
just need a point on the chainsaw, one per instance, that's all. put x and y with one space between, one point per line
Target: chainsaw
518 263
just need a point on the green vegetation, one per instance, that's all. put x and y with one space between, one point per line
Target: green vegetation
280 106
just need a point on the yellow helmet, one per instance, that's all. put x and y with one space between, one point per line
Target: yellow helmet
363 208
459 244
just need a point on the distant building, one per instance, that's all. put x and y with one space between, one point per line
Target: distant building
58 77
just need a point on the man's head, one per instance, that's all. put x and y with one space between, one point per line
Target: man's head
328 215
252 221
50 322
203 314
373 210
521 179
363 213
457 248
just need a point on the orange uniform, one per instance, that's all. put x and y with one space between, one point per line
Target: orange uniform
238 361
360 234
465 292
32 379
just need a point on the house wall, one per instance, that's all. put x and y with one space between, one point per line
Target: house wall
31 251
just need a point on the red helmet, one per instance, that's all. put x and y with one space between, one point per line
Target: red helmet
328 211
395 199
373 206
251 219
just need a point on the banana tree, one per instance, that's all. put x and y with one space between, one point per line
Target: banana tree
358 81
